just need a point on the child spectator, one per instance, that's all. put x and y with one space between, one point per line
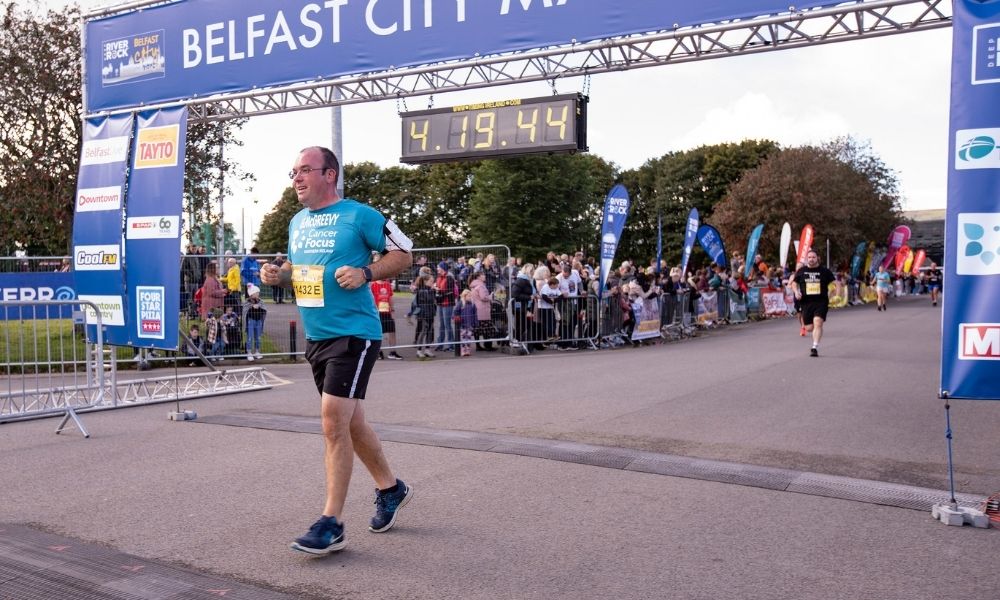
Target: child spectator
255 314
215 335
382 293
194 345
468 321
547 297
231 323
424 309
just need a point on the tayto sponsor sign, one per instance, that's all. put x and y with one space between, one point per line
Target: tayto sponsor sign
149 311
133 58
95 199
97 258
157 147
112 309
152 228
104 151
979 341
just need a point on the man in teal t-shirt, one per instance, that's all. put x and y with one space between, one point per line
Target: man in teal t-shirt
330 243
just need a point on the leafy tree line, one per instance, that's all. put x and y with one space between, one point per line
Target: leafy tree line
41 136
539 203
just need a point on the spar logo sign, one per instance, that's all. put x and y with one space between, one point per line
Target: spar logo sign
150 311
157 147
979 341
95 199
152 228
97 258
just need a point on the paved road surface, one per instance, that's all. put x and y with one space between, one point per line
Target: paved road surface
226 500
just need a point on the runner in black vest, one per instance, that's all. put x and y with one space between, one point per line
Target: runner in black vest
811 284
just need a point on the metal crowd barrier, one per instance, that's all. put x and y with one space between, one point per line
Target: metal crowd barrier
48 366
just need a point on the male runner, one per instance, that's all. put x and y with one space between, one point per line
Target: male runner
810 286
330 243
934 283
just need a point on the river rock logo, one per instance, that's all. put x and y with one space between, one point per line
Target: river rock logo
134 58
978 251
977 149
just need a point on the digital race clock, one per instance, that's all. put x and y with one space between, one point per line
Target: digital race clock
491 129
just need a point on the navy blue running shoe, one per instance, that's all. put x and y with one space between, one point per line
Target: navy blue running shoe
325 536
387 505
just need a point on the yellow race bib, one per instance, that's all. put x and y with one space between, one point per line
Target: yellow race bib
307 281
812 288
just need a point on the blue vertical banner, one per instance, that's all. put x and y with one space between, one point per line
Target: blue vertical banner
752 249
97 223
153 228
690 234
711 243
659 241
970 336
615 212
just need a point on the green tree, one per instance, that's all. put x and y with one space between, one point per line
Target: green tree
535 204
842 189
40 140
675 183
273 234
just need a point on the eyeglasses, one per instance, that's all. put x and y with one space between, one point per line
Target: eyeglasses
305 171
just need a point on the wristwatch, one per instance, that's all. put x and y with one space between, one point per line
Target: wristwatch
368 274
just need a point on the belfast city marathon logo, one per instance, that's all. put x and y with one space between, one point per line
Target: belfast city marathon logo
134 58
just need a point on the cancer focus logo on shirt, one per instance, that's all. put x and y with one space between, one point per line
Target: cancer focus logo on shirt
977 149
978 251
149 311
134 58
157 147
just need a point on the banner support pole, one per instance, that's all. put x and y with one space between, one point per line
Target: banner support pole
950 513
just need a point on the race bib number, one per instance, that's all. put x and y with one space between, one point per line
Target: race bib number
812 288
307 281
383 307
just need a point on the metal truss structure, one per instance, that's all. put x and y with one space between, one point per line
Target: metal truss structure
70 400
795 29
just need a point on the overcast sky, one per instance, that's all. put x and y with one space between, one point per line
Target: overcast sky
892 91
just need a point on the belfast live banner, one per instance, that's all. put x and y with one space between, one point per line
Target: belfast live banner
970 335
615 212
153 228
97 224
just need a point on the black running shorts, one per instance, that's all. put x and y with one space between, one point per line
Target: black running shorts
341 366
811 310
388 323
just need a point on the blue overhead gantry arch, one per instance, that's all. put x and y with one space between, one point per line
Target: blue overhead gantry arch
236 58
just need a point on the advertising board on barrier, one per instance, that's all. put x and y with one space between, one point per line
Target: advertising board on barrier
970 337
197 48
29 287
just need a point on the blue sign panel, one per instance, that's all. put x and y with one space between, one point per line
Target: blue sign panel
153 228
711 242
30 287
97 223
690 235
195 48
616 205
970 337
